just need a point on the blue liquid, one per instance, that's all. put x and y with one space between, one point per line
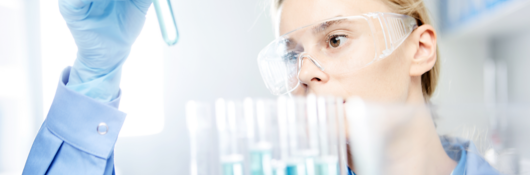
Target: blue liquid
327 168
232 168
260 162
166 20
298 169
310 165
278 172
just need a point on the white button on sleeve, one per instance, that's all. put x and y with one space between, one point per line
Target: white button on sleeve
103 128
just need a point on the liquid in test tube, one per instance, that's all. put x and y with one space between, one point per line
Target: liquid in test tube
166 19
232 158
260 161
234 166
261 148
327 163
327 167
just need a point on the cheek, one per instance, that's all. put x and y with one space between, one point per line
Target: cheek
386 80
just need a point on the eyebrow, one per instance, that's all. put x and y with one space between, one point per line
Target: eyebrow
291 42
325 25
319 28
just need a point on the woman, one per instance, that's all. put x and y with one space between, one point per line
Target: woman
83 124
380 50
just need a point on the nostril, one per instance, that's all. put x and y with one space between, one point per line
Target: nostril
315 78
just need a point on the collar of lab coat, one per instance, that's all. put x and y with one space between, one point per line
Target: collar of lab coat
467 155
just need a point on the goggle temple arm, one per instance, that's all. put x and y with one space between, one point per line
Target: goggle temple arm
395 29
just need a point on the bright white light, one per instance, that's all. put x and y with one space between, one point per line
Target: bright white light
142 79
220 114
58 50
10 4
143 82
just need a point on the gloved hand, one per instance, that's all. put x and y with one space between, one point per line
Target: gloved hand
104 31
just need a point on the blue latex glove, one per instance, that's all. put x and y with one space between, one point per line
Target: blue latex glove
104 31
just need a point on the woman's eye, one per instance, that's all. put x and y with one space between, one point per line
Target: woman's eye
336 40
291 56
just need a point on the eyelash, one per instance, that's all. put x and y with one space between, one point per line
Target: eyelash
291 55
335 35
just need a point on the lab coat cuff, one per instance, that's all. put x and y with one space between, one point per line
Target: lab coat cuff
82 121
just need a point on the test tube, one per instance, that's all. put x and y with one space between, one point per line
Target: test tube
258 116
231 157
280 144
200 123
232 138
328 132
363 145
166 20
301 133
294 163
338 108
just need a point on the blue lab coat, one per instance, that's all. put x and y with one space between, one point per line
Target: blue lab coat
68 141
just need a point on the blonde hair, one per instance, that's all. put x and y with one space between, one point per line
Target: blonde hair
417 10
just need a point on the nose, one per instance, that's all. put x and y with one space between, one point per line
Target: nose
311 72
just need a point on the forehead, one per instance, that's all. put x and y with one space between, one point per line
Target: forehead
298 13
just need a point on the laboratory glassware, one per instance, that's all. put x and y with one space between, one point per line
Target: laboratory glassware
306 135
201 123
166 20
260 125
310 136
375 129
288 136
331 137
233 141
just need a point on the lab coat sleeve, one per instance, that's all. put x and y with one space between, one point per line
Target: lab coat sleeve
68 141
476 164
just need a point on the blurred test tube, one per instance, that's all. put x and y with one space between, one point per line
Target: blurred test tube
166 19
280 144
258 116
291 136
229 129
328 161
300 129
200 122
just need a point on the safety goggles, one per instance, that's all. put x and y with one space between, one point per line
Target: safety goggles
338 45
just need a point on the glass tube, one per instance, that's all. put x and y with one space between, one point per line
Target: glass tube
259 127
300 132
280 142
327 162
229 130
166 19
291 136
201 126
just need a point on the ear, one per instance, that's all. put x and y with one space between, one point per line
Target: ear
424 41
